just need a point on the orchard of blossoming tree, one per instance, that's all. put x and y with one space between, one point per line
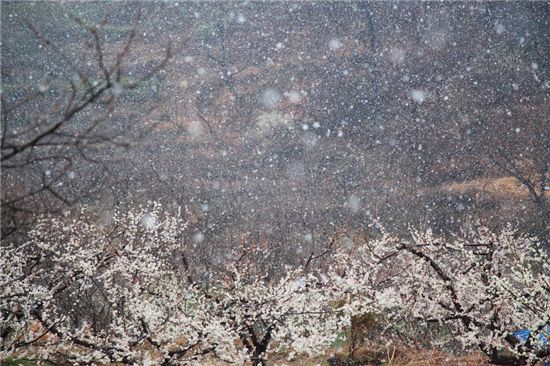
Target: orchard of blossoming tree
274 183
79 291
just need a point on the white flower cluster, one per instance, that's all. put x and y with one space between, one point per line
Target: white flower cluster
97 293
481 285
117 293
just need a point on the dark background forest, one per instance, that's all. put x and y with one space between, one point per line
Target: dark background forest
283 122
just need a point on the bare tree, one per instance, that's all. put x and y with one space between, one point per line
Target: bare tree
66 124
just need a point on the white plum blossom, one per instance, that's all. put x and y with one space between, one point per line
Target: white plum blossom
113 294
118 292
482 285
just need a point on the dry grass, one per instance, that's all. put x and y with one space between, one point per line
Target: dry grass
392 356
499 187
401 356
433 358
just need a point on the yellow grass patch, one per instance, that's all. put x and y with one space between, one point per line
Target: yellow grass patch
500 187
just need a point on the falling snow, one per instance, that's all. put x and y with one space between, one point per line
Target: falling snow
278 124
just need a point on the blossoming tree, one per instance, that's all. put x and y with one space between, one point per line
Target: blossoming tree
94 293
122 292
298 310
482 285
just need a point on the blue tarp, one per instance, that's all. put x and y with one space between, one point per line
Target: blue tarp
543 337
